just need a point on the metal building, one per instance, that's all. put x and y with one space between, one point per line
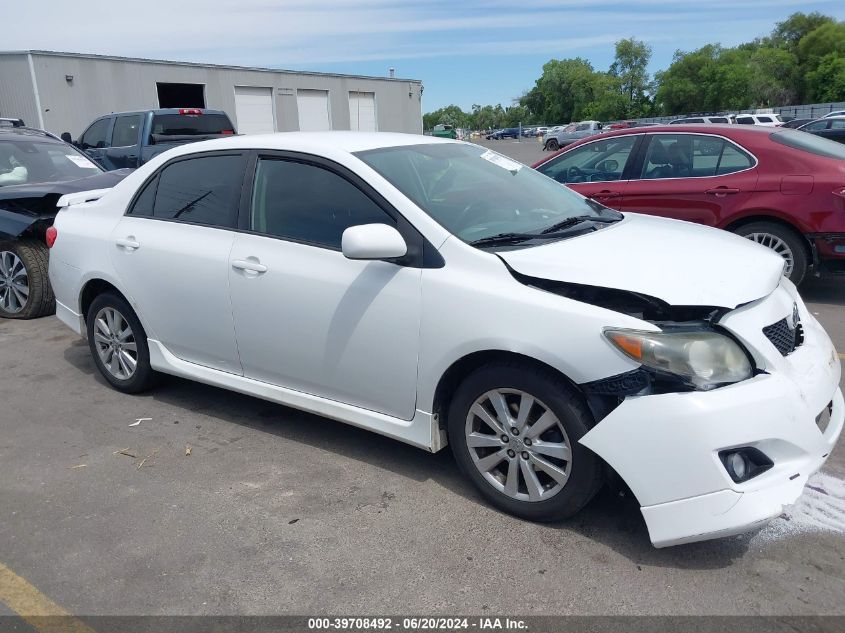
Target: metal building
64 92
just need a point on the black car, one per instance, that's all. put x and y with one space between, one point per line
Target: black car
796 123
830 127
36 169
508 132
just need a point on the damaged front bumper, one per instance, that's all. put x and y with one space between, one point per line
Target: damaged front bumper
666 447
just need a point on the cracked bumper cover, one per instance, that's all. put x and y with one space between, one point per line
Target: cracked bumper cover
666 446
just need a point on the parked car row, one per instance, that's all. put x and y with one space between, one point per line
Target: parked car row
779 187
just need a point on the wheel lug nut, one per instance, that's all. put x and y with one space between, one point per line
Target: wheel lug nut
527 442
511 453
515 431
505 439
524 454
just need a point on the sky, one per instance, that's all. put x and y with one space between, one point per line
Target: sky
464 51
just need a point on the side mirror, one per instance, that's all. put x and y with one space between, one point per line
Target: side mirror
372 241
67 138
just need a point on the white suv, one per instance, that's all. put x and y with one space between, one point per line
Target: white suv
434 291
766 120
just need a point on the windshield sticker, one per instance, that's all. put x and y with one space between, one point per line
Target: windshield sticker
500 161
80 161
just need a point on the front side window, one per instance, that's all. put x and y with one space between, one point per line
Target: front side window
95 136
815 126
692 156
476 193
594 162
126 130
745 120
307 203
203 190
764 119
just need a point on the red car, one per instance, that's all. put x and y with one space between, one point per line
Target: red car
782 188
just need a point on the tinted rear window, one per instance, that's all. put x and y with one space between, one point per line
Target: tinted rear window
810 143
191 124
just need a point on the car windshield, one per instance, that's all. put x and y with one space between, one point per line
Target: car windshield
809 143
476 193
26 161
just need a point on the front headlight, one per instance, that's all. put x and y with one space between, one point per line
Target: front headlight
705 359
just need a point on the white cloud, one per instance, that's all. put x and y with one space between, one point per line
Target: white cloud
309 32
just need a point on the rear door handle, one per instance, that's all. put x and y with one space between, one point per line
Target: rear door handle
722 191
128 243
249 266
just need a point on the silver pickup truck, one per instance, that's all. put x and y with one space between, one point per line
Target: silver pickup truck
556 139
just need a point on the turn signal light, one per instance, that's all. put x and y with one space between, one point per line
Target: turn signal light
50 236
630 345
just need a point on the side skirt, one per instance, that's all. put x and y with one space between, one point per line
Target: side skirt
421 431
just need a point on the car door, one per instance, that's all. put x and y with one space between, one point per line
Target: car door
125 142
306 317
171 253
700 178
94 140
598 169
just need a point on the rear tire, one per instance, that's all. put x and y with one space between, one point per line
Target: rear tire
782 240
25 291
118 344
553 475
552 145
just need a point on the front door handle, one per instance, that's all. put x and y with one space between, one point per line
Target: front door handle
606 194
721 191
128 243
249 266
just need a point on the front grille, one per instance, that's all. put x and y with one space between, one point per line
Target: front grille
784 338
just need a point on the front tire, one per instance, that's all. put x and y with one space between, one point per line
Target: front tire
514 430
783 241
25 291
552 145
118 344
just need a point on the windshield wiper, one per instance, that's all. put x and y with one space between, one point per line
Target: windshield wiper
575 221
510 238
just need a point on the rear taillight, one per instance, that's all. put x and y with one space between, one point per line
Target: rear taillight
227 131
190 111
50 236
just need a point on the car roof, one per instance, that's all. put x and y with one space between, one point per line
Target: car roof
315 141
8 133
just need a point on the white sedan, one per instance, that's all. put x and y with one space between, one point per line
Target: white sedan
437 292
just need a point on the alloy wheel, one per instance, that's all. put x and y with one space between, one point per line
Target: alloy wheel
778 246
14 283
115 343
518 445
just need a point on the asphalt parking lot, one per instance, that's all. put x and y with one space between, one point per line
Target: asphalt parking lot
280 512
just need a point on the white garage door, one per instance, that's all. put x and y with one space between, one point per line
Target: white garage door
362 111
313 106
254 110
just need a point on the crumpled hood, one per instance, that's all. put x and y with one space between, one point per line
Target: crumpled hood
683 264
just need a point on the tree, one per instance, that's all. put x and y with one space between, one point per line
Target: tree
788 34
631 68
827 81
